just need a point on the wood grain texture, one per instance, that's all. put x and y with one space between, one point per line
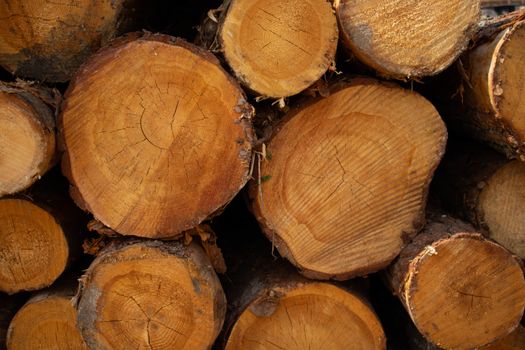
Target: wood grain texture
279 47
483 187
144 295
404 38
27 136
34 248
348 176
49 40
461 290
158 137
309 315
495 85
47 321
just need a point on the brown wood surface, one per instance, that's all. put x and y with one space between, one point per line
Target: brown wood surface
47 321
494 81
49 40
151 294
345 178
277 48
165 149
461 290
27 134
407 39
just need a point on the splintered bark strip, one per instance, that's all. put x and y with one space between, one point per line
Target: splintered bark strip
158 137
151 295
404 38
345 180
49 40
486 189
47 321
27 135
461 290
495 84
278 48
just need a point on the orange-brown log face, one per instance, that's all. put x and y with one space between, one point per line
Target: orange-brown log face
279 47
156 136
48 40
348 176
405 38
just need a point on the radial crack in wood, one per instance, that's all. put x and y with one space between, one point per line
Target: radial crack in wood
151 295
461 290
33 246
348 177
278 48
163 150
405 38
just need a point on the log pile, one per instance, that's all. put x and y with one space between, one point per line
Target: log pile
259 174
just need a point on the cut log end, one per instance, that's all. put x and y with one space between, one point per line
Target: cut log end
45 323
464 292
407 39
493 93
34 247
151 295
347 172
501 204
48 41
297 318
27 143
278 48
169 146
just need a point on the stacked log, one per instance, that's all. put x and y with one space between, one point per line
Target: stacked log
168 149
48 41
275 48
493 86
28 142
150 294
40 236
461 290
156 138
404 39
485 188
48 320
346 171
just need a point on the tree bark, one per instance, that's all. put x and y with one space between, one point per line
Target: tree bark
275 48
404 39
48 41
27 134
493 86
47 321
461 290
170 146
149 294
486 189
344 183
